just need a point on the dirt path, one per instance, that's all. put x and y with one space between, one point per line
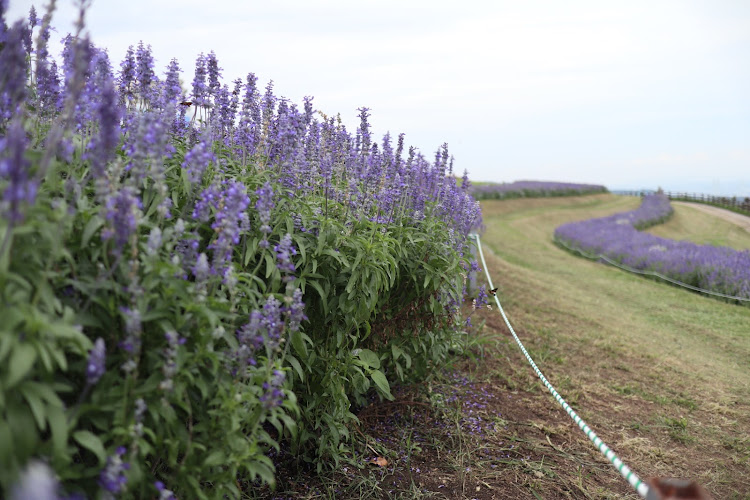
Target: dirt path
741 220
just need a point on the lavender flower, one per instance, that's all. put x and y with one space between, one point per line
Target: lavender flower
284 252
223 118
122 212
208 198
164 493
247 132
198 158
127 75
272 322
264 205
172 89
201 270
47 77
146 144
26 35
214 73
250 339
138 412
154 241
132 342
112 478
37 481
108 111
14 168
363 132
144 71
33 19
295 310
272 393
169 368
13 75
95 366
199 82
230 220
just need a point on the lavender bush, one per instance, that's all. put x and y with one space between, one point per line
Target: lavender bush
194 278
718 269
531 189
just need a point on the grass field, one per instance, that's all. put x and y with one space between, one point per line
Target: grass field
660 374
688 223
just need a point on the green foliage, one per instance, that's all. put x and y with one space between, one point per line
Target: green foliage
377 303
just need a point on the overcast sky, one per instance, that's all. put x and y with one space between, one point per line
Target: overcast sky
639 94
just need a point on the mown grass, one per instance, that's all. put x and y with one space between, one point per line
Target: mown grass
661 371
688 223
658 372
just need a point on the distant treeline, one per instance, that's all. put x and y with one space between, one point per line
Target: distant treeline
737 204
531 189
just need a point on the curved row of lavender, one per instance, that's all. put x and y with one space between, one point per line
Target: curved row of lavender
718 269
532 189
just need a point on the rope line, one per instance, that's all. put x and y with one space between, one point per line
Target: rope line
651 273
640 487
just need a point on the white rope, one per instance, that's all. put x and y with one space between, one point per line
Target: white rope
640 487
650 273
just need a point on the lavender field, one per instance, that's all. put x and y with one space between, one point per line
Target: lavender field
199 282
531 189
718 269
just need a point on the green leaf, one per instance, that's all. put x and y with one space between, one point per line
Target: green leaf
7 341
397 351
379 378
20 363
369 358
91 442
43 391
215 458
59 428
295 364
91 226
36 405
299 344
323 296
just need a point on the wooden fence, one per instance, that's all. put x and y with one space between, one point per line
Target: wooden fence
734 203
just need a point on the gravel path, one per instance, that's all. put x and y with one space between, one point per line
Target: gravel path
739 219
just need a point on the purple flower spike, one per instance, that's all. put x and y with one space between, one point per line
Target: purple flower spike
296 310
164 493
13 75
95 367
33 19
112 478
14 167
272 394
144 71
123 213
127 75
199 82
198 159
214 73
172 91
264 205
284 252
